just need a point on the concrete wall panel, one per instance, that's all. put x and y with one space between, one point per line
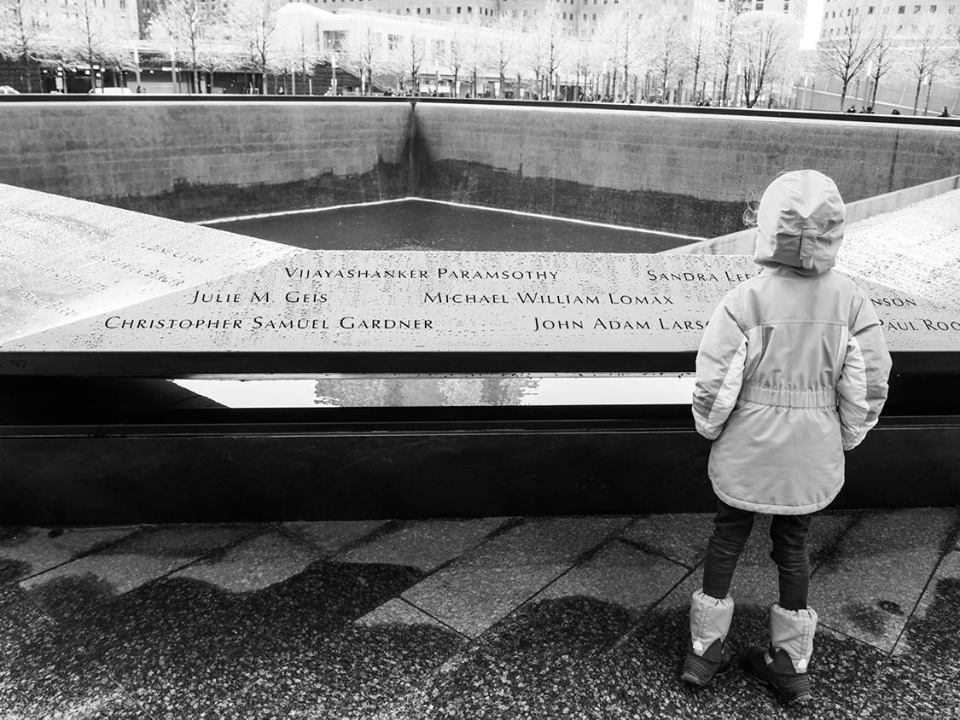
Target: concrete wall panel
203 160
686 173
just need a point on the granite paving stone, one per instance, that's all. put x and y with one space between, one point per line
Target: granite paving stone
619 574
253 564
910 688
30 550
424 545
397 612
353 674
43 676
485 584
331 536
184 644
871 582
546 618
536 663
69 589
640 678
932 633
679 536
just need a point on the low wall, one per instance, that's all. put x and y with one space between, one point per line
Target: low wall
689 173
742 241
193 160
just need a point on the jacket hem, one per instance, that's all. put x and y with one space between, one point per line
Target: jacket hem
770 509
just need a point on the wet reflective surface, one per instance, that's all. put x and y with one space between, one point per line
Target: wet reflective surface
496 617
416 224
452 391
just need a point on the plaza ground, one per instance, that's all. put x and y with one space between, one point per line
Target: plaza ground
581 617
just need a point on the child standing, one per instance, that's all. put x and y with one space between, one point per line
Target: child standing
792 371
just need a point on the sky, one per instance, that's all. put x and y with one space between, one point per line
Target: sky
811 25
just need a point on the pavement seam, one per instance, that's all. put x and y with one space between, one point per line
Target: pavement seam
428 614
949 538
475 645
651 550
635 626
99 547
575 562
827 552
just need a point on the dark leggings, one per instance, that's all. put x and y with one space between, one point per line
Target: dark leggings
789 535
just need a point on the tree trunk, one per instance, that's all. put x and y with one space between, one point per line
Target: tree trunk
916 97
843 92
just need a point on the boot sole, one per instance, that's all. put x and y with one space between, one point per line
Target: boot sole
788 698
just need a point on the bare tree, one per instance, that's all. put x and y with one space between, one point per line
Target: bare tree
415 53
475 50
506 47
667 50
362 52
844 53
926 60
551 40
456 59
698 52
620 37
726 40
534 51
187 23
254 23
882 61
90 35
765 41
584 58
20 28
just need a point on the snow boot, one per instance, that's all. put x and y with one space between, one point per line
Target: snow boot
783 665
709 654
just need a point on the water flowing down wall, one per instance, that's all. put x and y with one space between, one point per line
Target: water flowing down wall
691 173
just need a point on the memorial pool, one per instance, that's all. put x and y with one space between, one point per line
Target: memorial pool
416 224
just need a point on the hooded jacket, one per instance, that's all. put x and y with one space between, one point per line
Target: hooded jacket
792 368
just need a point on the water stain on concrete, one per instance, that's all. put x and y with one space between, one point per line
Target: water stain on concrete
868 618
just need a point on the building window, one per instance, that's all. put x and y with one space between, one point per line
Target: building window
917 8
901 10
870 10
933 8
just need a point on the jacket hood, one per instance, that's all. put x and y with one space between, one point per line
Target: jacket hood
800 223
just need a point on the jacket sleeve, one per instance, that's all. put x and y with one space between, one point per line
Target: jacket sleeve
720 364
862 389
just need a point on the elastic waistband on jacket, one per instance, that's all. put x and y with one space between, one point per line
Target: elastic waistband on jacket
789 397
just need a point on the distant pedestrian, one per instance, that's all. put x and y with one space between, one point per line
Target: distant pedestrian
945 112
792 371
895 111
